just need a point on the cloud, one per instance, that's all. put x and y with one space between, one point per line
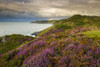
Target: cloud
49 8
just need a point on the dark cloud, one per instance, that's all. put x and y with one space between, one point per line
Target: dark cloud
9 1
49 8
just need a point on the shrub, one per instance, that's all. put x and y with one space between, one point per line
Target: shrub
63 26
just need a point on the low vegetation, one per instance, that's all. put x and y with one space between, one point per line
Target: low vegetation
46 21
93 34
73 42
10 42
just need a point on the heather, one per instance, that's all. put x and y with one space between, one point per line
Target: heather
10 42
73 42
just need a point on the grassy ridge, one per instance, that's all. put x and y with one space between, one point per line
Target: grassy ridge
46 21
73 42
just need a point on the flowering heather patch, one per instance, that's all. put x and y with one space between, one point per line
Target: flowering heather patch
40 43
40 60
49 51
59 47
65 61
71 46
22 53
53 43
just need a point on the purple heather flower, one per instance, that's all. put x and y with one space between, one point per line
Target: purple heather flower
49 51
29 39
90 57
97 51
84 29
53 43
79 27
27 59
31 51
25 38
98 62
58 30
67 40
70 46
40 60
80 46
40 43
1 55
72 32
22 52
67 58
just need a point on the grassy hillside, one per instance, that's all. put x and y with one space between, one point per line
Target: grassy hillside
73 42
10 42
46 21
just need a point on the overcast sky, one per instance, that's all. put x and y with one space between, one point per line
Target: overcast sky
48 8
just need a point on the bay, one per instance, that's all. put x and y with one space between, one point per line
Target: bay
24 28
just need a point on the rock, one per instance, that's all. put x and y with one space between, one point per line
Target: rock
35 33
3 40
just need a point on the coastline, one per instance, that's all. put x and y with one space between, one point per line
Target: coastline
22 28
34 34
67 39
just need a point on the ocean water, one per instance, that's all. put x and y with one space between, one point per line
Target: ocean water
24 28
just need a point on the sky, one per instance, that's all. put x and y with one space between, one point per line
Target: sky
48 8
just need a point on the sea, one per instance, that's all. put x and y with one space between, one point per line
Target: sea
24 28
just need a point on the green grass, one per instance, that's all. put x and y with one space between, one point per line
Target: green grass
63 41
12 42
44 31
62 26
93 34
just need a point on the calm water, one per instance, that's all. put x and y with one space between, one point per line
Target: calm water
25 28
